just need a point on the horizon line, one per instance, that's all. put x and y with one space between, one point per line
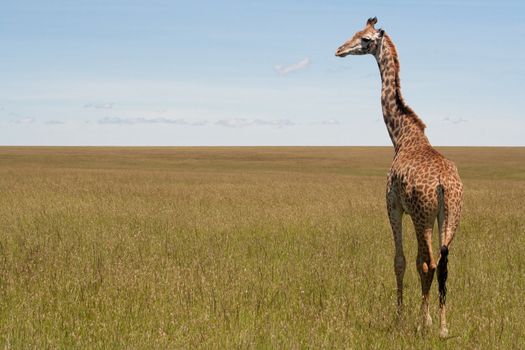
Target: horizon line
241 146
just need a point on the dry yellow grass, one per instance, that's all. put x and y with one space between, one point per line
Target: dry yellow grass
244 247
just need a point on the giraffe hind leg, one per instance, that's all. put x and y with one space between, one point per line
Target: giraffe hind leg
426 266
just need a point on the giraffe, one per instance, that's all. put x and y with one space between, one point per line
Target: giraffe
421 182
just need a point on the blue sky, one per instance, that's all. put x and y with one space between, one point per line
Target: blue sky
118 72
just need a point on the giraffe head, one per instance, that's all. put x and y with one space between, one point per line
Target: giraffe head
363 42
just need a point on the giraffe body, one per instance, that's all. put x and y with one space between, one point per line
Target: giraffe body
421 182
416 185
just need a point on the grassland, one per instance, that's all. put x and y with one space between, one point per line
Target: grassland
244 247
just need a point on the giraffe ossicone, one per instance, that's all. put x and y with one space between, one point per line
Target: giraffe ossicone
421 182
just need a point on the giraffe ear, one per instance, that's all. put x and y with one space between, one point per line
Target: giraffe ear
381 32
371 21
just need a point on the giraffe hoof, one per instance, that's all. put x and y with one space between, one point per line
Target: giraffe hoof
443 333
428 321
400 316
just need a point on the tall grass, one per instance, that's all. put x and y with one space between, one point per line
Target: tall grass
244 247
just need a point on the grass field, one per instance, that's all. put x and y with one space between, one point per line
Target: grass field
245 247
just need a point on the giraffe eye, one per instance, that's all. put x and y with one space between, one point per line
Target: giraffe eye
365 40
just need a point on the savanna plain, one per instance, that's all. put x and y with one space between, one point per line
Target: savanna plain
270 247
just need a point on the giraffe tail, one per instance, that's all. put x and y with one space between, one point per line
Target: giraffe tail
442 274
442 268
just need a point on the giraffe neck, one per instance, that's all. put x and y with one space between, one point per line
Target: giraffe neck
403 125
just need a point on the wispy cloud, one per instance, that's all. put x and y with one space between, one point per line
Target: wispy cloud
23 120
455 120
331 121
158 120
286 69
280 123
54 122
104 105
17 118
235 122
244 122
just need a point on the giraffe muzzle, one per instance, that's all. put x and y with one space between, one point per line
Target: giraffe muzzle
342 51
345 50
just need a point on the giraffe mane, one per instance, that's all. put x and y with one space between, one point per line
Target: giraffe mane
403 107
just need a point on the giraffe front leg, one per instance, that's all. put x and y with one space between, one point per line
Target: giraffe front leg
395 215
399 268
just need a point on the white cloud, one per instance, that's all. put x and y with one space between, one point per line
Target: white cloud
280 123
158 120
17 118
105 105
235 122
55 122
23 120
330 122
455 121
286 69
243 122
